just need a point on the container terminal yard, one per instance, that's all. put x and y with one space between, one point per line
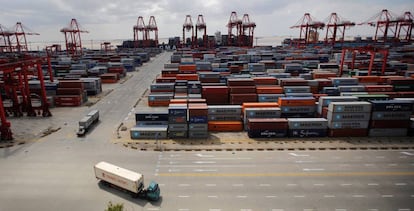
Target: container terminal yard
313 123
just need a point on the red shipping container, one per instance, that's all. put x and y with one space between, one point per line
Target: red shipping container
225 126
347 132
238 99
240 82
379 88
268 124
242 89
265 80
389 124
269 89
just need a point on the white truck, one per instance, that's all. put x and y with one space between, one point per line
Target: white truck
86 122
127 180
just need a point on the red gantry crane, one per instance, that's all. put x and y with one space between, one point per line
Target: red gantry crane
405 27
201 26
187 26
234 23
308 30
15 40
73 38
5 35
386 26
335 28
140 29
152 27
247 31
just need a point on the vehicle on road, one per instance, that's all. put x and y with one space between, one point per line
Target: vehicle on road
127 180
86 122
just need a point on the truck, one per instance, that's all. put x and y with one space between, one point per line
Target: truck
87 121
127 180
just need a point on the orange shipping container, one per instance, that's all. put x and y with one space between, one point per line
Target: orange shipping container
259 105
368 79
269 90
291 101
188 77
225 126
186 67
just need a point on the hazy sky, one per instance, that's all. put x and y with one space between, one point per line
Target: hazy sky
114 19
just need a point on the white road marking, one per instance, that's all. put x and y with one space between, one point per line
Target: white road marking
161 185
271 196
308 209
392 164
243 197
184 209
211 185
238 185
358 196
318 169
299 196
407 153
412 196
212 196
214 209
245 209
303 161
346 184
207 166
373 184
369 164
173 170
298 155
387 196
380 157
404 209
183 196
153 209
292 184
174 162
204 162
205 170
264 185
318 184
372 209
340 209
278 210
329 196
400 184
183 185
204 156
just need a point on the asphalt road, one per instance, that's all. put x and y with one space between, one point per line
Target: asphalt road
56 172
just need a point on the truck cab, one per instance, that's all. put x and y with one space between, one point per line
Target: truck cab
153 191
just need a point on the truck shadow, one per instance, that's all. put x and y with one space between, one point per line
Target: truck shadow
127 196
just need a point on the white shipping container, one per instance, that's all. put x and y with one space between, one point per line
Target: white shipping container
120 177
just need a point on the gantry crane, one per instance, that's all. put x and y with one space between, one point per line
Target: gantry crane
386 26
201 26
152 27
187 26
308 30
335 26
140 28
73 38
233 39
247 31
405 27
15 40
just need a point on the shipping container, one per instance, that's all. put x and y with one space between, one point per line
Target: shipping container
387 132
307 123
149 132
304 133
350 107
225 126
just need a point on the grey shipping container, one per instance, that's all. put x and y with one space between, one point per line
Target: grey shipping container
387 132
149 132
347 124
348 116
349 107
307 123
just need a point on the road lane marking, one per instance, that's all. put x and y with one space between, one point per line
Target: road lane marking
400 184
183 185
278 210
184 209
204 156
369 164
287 174
298 155
211 185
299 196
373 184
212 196
387 196
412 196
205 170
271 196
214 209
183 196
346 184
316 169
238 185
303 161
291 185
392 164
246 210
207 166
319 184
373 209
358 196
407 153
153 209
204 162
329 196
242 197
404 209
264 185
340 209
380 157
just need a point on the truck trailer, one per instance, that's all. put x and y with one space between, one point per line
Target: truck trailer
86 122
126 180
